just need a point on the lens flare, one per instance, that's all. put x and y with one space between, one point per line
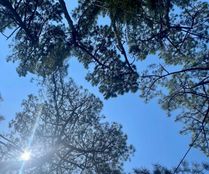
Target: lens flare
27 154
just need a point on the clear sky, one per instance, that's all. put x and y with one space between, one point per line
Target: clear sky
154 135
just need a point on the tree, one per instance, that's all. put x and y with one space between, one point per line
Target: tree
177 32
185 169
43 42
69 135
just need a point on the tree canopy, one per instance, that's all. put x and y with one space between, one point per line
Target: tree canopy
184 169
46 35
65 134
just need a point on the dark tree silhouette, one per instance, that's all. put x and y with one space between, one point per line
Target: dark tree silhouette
184 169
70 135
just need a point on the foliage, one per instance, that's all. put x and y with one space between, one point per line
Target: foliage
184 169
175 31
70 135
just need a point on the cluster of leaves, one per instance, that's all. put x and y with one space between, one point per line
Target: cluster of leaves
184 169
70 136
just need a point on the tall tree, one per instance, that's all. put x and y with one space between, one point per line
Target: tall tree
65 134
176 31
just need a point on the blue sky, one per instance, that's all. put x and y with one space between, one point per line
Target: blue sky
154 135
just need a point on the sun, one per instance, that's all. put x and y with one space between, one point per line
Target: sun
26 155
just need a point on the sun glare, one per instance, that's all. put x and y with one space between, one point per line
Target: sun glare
26 155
